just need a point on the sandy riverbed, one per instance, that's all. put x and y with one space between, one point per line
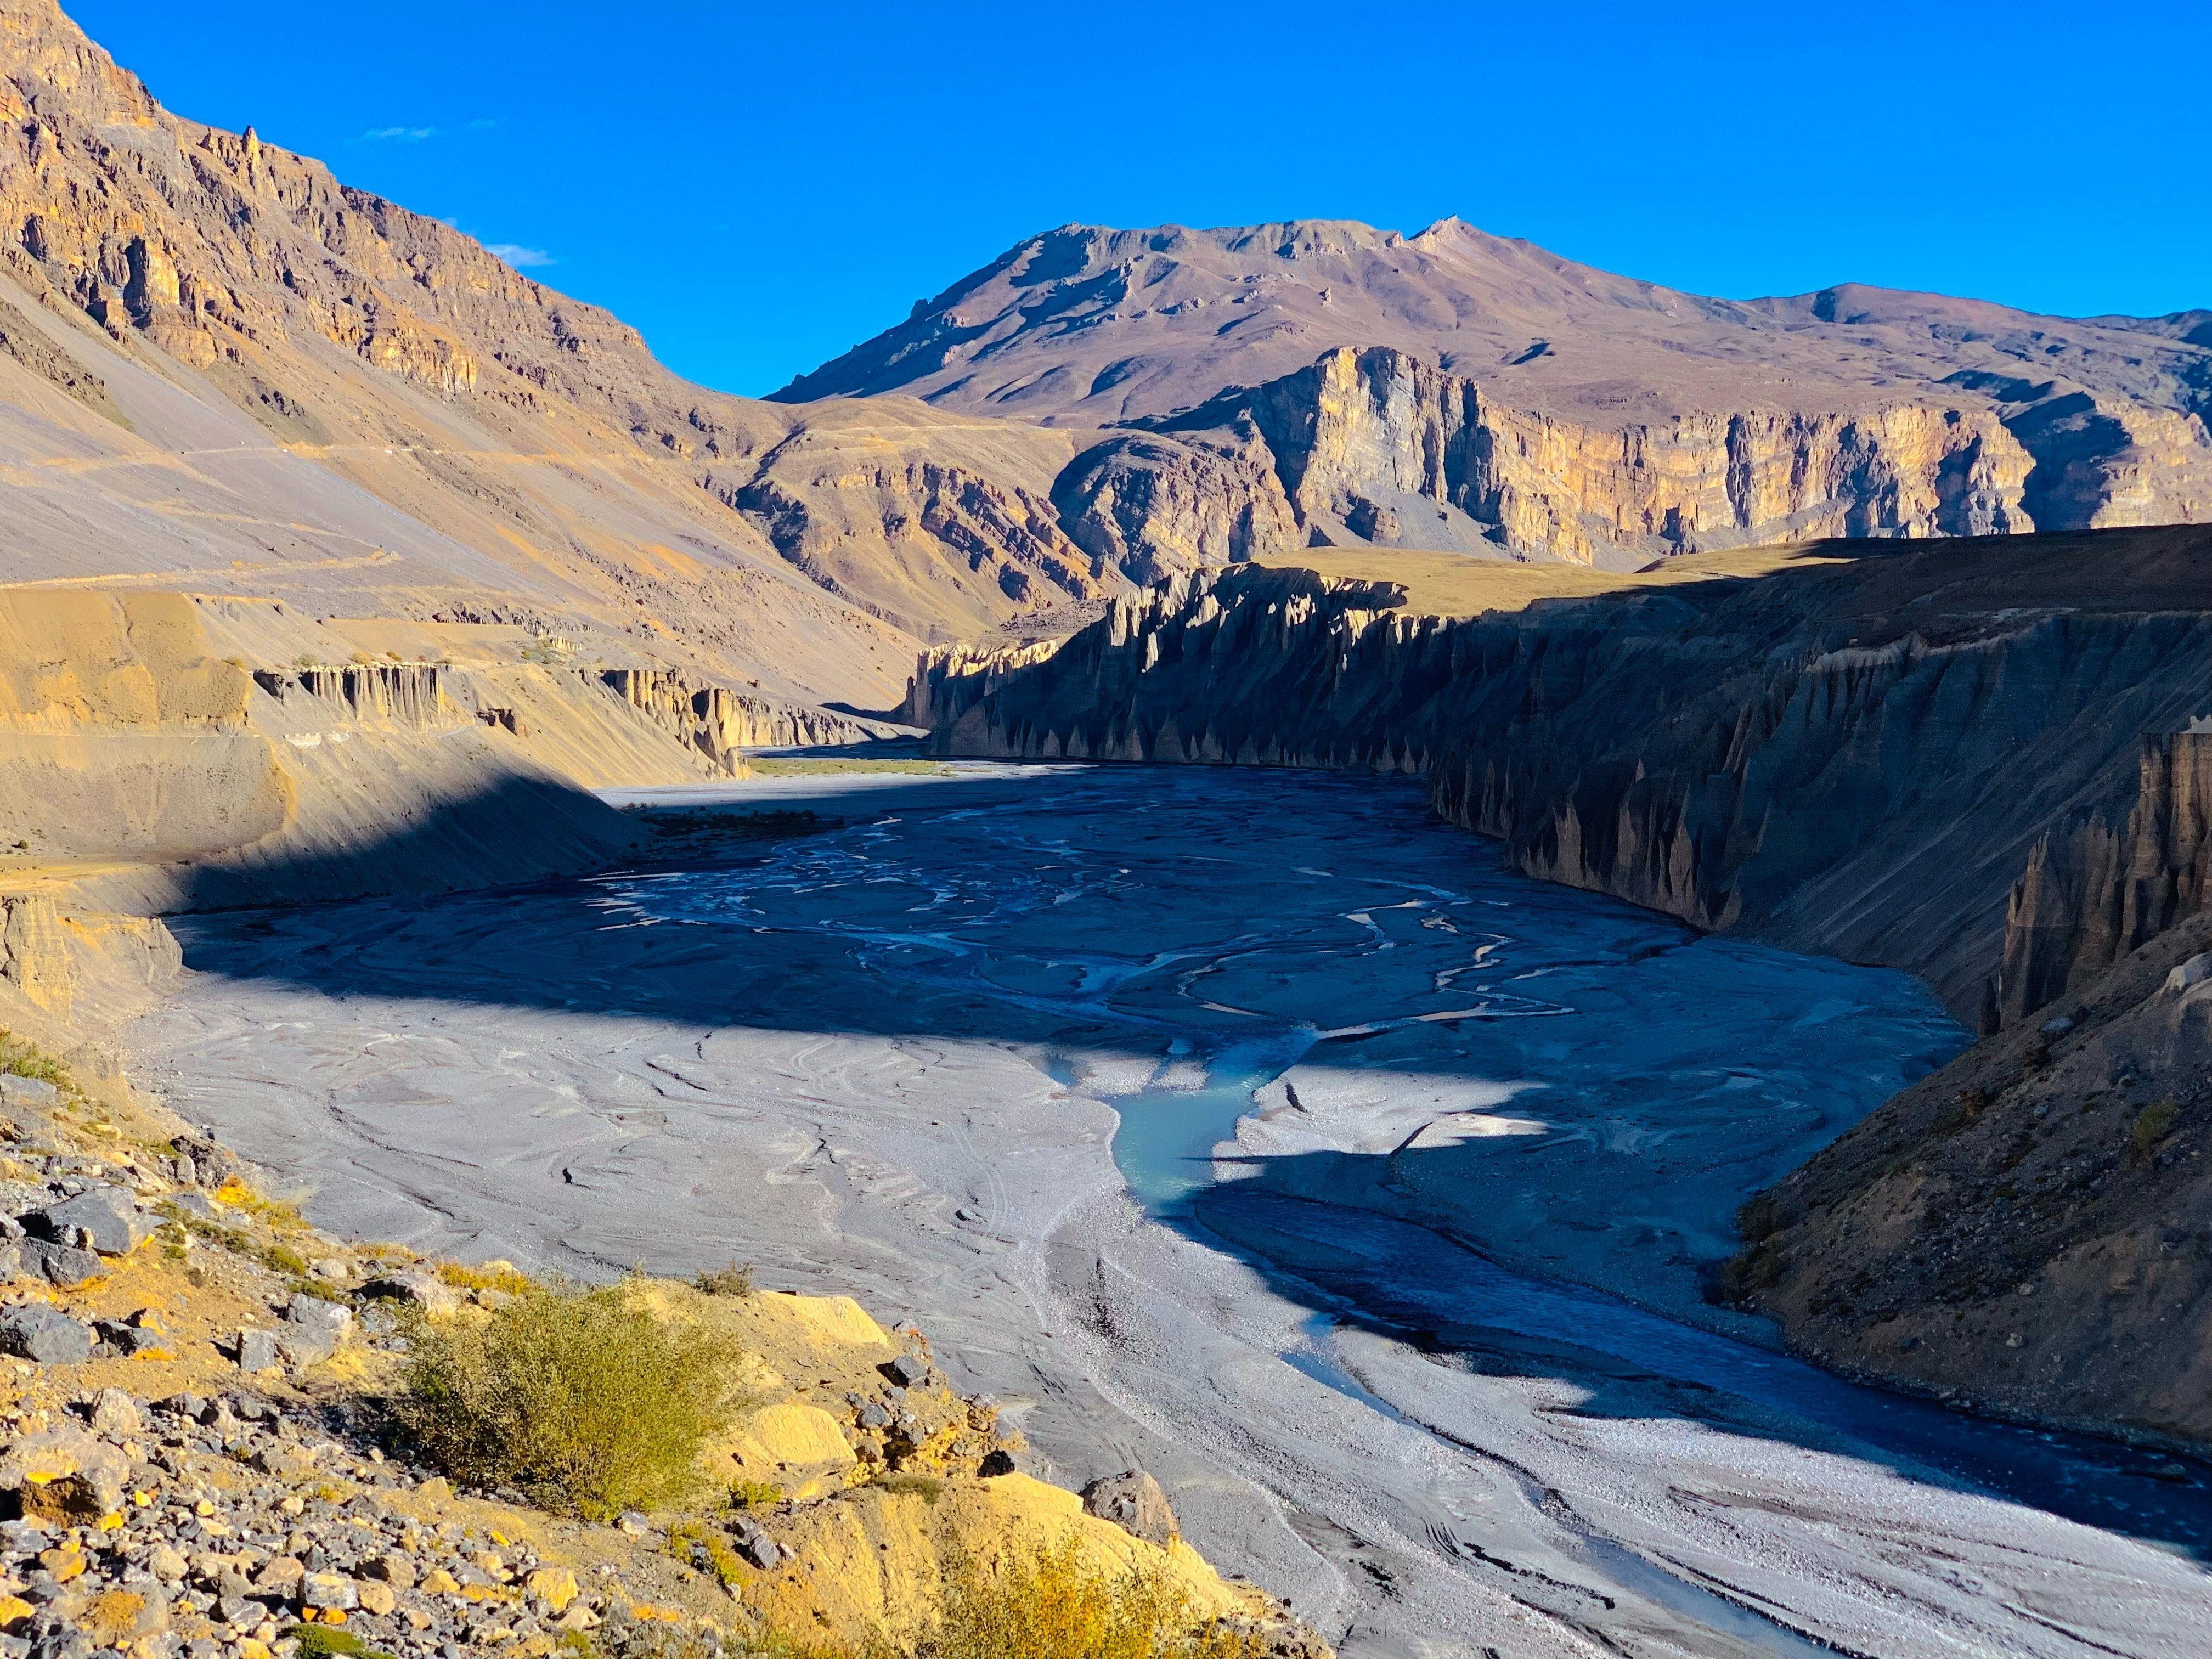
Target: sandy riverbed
888 1061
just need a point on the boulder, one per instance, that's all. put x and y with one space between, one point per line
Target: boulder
213 1164
64 1264
907 1371
312 1329
64 1477
420 1286
34 1092
1133 1501
328 1590
106 1219
762 1551
257 1349
115 1415
47 1335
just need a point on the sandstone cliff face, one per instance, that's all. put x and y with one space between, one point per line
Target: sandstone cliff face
1363 430
1857 757
1150 508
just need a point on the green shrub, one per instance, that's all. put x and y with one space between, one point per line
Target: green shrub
324 1642
731 1280
581 1398
698 1545
19 1058
2152 1124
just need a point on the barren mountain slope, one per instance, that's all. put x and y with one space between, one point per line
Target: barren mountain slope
1455 389
217 360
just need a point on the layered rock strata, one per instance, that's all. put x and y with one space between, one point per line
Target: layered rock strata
1457 389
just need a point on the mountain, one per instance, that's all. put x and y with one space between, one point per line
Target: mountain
221 366
1456 389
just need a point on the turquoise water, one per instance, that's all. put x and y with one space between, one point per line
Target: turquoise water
1187 944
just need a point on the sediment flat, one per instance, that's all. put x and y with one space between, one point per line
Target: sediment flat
1254 1129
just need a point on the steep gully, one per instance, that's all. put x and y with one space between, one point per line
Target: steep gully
1973 761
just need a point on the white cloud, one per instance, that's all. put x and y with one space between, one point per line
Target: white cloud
518 256
401 135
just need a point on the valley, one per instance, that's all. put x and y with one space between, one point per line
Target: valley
1539 939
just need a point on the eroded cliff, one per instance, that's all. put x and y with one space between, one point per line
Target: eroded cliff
1856 756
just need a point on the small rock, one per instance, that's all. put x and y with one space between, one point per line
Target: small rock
874 1416
1133 1501
198 1206
125 1338
329 1589
555 1586
374 1598
395 1568
257 1349
38 1332
314 1329
165 1564
762 1551
280 1573
29 1091
905 1370
2193 972
633 1523
115 1414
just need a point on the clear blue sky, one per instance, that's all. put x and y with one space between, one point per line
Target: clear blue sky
758 187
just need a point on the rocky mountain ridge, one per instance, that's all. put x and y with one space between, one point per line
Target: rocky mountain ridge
1454 389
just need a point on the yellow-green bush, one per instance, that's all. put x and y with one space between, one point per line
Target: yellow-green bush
582 1399
1045 1604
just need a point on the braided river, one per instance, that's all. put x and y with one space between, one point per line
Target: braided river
1253 1129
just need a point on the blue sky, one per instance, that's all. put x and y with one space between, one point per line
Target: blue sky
758 187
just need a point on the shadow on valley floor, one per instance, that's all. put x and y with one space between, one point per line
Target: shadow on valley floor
1607 1359
859 933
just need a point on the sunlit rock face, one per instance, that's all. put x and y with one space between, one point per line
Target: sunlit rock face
1457 390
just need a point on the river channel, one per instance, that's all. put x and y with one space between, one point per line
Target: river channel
1254 1126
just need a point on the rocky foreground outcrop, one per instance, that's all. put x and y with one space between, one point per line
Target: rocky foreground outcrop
197 1446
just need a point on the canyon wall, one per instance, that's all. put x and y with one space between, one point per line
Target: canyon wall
1984 761
1857 757
1376 445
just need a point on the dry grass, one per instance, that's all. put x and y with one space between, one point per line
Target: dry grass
503 1276
1046 1604
582 1399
